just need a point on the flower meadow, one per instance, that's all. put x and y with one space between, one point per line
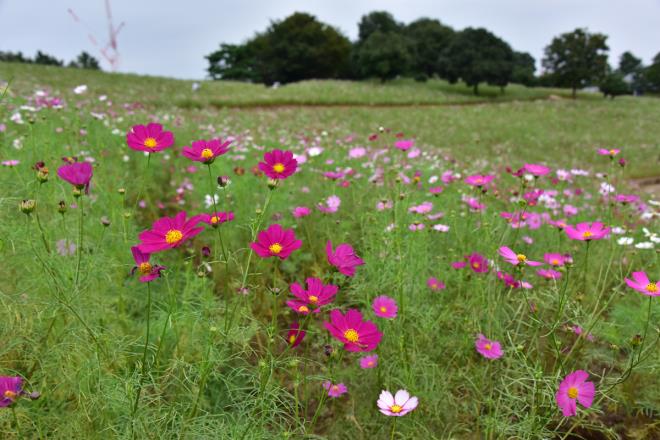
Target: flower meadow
179 274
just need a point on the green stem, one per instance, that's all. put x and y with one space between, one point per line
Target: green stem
18 425
80 240
217 225
393 428
144 354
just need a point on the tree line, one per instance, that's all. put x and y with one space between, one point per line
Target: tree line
83 61
301 47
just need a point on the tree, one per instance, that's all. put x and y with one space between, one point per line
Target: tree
85 61
48 60
377 21
652 74
14 57
477 55
629 64
614 85
577 59
428 38
382 55
524 67
235 62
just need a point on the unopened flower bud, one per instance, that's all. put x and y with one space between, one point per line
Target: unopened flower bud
327 349
77 192
105 221
272 183
61 207
636 340
27 206
121 191
42 175
223 181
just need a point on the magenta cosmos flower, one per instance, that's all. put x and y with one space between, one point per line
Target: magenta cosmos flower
343 258
295 335
206 151
554 259
478 263
611 152
587 231
169 232
147 271
398 405
536 169
435 284
487 348
574 388
150 138
11 388
549 274
276 242
316 295
356 334
368 362
404 144
217 218
384 307
641 283
335 390
77 174
516 259
479 180
278 164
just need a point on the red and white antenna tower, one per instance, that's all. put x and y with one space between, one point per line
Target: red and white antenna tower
109 51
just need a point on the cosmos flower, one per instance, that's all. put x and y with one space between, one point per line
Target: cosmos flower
334 390
549 274
343 258
574 388
295 335
478 263
206 151
516 259
316 295
435 284
404 144
510 281
478 180
611 152
301 211
150 138
276 242
352 331
278 164
217 218
147 271
487 348
11 387
370 361
641 283
587 231
554 259
398 405
169 232
536 169
77 174
384 307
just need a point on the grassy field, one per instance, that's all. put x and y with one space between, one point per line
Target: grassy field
217 364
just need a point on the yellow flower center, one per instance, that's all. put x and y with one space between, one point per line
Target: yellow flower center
215 219
144 268
278 167
335 388
573 392
207 153
475 265
555 262
10 395
304 309
150 142
292 339
313 299
488 346
383 309
173 236
351 335
396 409
521 258
587 234
612 152
434 286
652 288
275 248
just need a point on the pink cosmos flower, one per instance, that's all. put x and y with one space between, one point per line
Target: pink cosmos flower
147 271
458 264
316 295
77 174
343 258
169 232
478 180
352 331
436 190
612 152
384 307
334 390
370 361
516 259
217 218
435 284
404 144
301 211
206 151
487 348
11 387
10 163
331 205
510 281
536 169
276 242
587 231
554 259
448 177
295 335
641 283
398 405
574 388
423 208
474 204
549 274
478 263
151 138
278 164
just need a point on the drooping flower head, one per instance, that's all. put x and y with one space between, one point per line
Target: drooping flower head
275 242
516 259
11 387
587 231
311 300
370 361
575 388
356 334
278 164
478 180
487 348
147 271
77 174
169 232
398 405
150 138
295 335
641 283
217 218
334 390
206 151
343 258
385 307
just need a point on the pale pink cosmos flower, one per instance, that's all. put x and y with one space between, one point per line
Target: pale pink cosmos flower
641 283
370 361
575 388
516 259
10 163
416 226
487 348
435 284
587 231
398 405
332 204
549 274
423 208
357 152
334 390
384 204
555 259
301 211
611 152
385 307
536 169
440 228
478 180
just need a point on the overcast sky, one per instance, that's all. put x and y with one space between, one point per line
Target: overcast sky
170 38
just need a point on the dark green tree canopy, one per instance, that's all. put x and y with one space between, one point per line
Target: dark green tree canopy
382 55
377 21
524 68
48 60
576 59
629 63
428 38
85 61
652 74
613 85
